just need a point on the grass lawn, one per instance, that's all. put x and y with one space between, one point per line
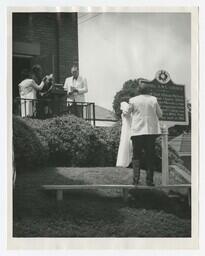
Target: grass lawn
95 213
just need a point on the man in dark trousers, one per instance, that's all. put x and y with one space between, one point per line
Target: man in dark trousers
145 127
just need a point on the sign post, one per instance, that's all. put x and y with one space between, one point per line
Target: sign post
165 156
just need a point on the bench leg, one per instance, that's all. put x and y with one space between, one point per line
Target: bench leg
189 196
59 195
125 194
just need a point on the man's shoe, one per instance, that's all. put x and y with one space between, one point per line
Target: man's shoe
135 181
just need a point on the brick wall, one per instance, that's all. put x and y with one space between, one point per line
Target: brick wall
68 43
57 36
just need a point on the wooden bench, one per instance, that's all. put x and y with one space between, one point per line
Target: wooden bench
125 188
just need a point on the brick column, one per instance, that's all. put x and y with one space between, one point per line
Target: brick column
67 43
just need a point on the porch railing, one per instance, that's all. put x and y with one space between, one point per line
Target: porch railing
46 108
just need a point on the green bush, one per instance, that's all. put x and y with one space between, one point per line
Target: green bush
29 151
72 141
108 138
173 156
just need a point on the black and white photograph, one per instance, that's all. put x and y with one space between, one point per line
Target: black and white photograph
102 128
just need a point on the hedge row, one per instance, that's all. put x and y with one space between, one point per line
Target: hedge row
30 150
69 141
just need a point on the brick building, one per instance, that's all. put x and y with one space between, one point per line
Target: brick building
48 39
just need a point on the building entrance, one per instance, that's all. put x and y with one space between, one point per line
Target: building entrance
19 64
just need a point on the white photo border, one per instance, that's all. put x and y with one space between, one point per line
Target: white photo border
108 243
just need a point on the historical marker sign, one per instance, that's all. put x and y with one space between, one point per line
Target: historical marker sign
171 98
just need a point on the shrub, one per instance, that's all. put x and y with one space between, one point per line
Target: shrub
173 156
29 152
72 141
108 138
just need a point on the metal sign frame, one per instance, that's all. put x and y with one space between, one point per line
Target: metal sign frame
163 74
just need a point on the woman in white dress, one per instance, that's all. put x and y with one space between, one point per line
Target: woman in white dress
27 90
124 156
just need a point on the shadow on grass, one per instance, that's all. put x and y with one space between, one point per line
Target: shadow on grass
90 213
31 201
159 200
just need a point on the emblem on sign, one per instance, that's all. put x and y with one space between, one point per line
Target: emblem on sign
162 76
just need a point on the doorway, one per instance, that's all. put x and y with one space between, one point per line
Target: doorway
19 64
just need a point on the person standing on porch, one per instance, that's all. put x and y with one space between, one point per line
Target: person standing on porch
37 73
76 87
145 127
27 91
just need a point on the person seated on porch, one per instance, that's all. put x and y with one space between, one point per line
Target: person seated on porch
27 91
76 87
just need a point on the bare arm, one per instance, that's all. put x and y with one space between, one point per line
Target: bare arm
126 108
131 106
36 86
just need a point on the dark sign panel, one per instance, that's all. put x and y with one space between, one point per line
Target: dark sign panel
171 98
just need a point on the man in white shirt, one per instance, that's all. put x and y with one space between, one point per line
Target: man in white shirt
144 129
76 87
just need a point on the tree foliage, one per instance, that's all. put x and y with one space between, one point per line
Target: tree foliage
128 90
